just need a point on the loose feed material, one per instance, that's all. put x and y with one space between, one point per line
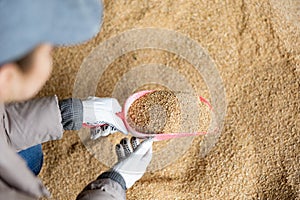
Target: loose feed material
255 50
157 112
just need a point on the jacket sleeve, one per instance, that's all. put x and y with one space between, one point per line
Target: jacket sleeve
108 186
33 122
41 120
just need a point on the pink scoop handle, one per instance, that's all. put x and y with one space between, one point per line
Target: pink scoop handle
156 137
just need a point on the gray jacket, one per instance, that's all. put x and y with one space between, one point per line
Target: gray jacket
33 122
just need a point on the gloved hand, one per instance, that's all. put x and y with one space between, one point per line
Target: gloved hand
102 111
133 159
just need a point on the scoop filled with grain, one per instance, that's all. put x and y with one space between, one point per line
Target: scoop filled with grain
157 114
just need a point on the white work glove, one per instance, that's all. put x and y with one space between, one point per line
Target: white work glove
102 111
133 159
102 131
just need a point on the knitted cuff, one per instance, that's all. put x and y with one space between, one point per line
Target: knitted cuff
71 113
115 176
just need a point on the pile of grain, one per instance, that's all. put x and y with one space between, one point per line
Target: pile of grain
257 154
156 112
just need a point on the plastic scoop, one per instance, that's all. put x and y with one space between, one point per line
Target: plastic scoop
156 137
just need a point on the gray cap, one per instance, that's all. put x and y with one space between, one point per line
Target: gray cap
26 23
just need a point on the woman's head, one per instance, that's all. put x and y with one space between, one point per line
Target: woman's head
27 37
